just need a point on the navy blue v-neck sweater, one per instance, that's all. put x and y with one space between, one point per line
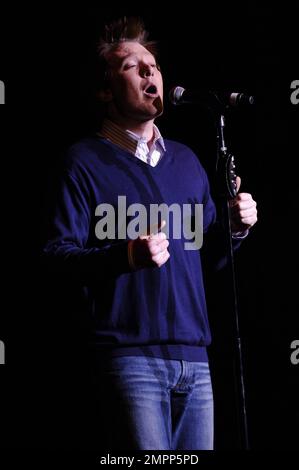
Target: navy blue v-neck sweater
154 311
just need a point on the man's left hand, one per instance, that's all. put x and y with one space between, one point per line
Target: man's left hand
243 212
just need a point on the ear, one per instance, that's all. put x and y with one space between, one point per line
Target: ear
105 95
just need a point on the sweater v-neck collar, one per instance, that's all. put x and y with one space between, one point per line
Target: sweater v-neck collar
132 158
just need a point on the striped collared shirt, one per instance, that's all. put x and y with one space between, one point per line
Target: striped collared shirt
133 143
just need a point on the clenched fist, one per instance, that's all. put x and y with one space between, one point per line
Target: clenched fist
149 251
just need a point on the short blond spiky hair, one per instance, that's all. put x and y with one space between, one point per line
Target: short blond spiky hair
116 32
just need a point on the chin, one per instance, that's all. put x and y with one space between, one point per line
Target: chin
157 107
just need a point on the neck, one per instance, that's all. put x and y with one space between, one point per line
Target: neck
142 129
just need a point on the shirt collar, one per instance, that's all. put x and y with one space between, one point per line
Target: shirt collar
127 139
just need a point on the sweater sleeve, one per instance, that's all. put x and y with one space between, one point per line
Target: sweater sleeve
67 251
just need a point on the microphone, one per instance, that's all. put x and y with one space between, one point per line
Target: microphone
178 95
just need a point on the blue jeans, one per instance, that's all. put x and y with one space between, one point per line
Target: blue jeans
150 403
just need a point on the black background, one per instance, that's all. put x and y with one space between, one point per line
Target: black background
46 62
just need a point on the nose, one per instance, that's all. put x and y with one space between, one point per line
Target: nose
147 70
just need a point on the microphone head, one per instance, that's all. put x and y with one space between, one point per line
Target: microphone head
239 99
175 95
217 100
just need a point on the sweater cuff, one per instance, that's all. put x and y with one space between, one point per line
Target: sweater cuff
240 235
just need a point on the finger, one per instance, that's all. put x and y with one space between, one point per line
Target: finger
238 183
240 216
153 230
165 257
156 228
241 197
156 239
249 221
161 258
243 205
159 248
246 216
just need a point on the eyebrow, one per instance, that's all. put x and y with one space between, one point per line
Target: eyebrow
127 56
134 55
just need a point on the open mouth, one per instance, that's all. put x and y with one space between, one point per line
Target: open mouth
151 91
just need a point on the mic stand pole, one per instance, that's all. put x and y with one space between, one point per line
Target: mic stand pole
226 179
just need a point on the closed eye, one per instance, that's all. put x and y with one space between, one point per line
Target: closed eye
129 66
132 65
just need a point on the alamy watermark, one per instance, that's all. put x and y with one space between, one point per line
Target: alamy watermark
2 92
295 354
2 353
295 94
187 221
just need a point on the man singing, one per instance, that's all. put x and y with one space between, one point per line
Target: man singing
144 295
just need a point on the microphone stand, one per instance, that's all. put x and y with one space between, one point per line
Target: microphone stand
226 179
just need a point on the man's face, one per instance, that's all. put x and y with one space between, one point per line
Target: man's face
135 82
